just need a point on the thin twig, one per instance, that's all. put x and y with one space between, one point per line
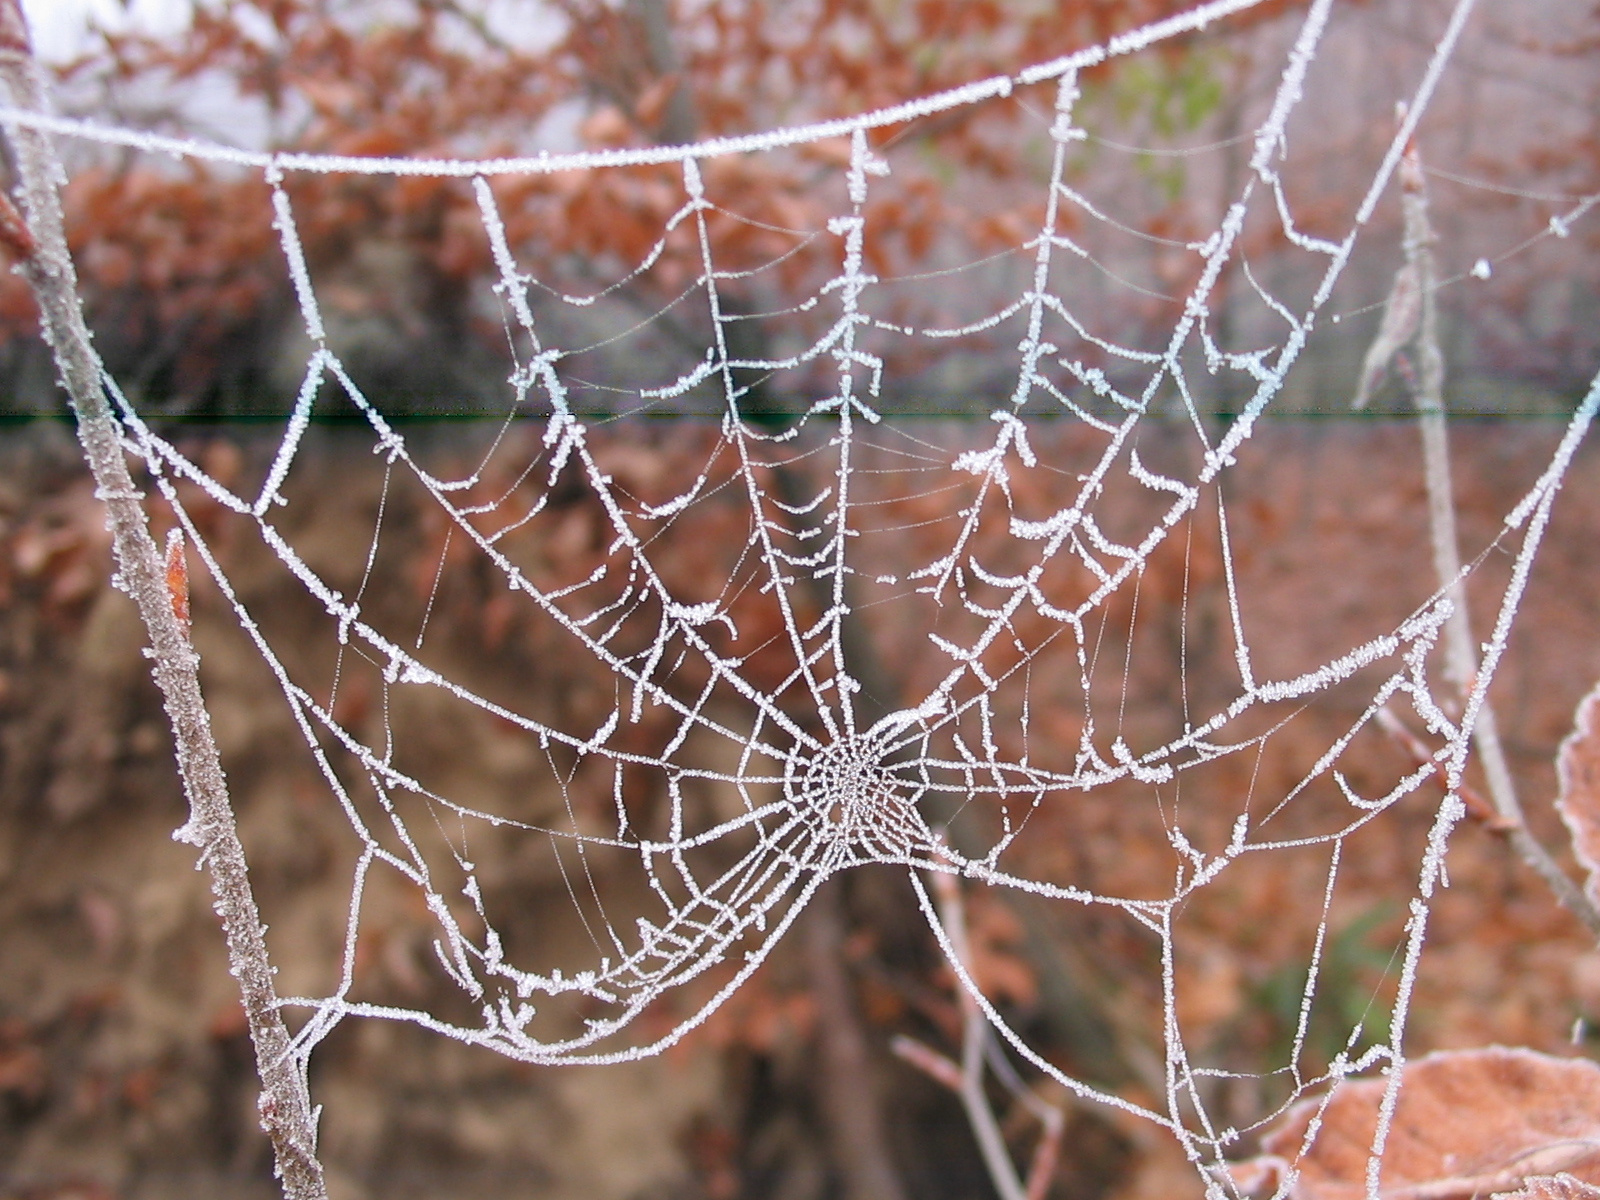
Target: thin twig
1478 807
1461 657
927 1060
1052 1121
1042 1167
158 588
977 1049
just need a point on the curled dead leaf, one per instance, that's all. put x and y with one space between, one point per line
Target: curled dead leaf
1578 768
177 566
1469 1123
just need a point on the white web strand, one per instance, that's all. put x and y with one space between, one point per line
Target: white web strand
1132 42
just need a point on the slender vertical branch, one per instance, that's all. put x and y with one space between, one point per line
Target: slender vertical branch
978 1050
160 590
980 1116
1461 658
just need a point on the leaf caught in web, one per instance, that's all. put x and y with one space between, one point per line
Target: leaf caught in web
1578 767
1468 1123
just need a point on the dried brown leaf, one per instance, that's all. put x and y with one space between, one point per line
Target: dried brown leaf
1468 1123
1578 767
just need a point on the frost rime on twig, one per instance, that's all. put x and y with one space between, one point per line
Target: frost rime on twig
1411 320
161 591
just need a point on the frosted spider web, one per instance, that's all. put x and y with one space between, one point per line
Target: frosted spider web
869 669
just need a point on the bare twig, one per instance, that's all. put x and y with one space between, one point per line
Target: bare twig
1042 1167
929 1061
978 1049
1479 808
160 590
1052 1121
1461 657
1002 1173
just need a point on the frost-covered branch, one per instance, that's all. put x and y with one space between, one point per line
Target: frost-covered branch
160 590
966 1079
1461 658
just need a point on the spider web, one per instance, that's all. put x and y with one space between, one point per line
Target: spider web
836 636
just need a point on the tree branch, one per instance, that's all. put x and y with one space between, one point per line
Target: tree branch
157 588
978 1049
1461 661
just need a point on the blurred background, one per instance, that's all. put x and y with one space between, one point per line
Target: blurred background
124 1067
